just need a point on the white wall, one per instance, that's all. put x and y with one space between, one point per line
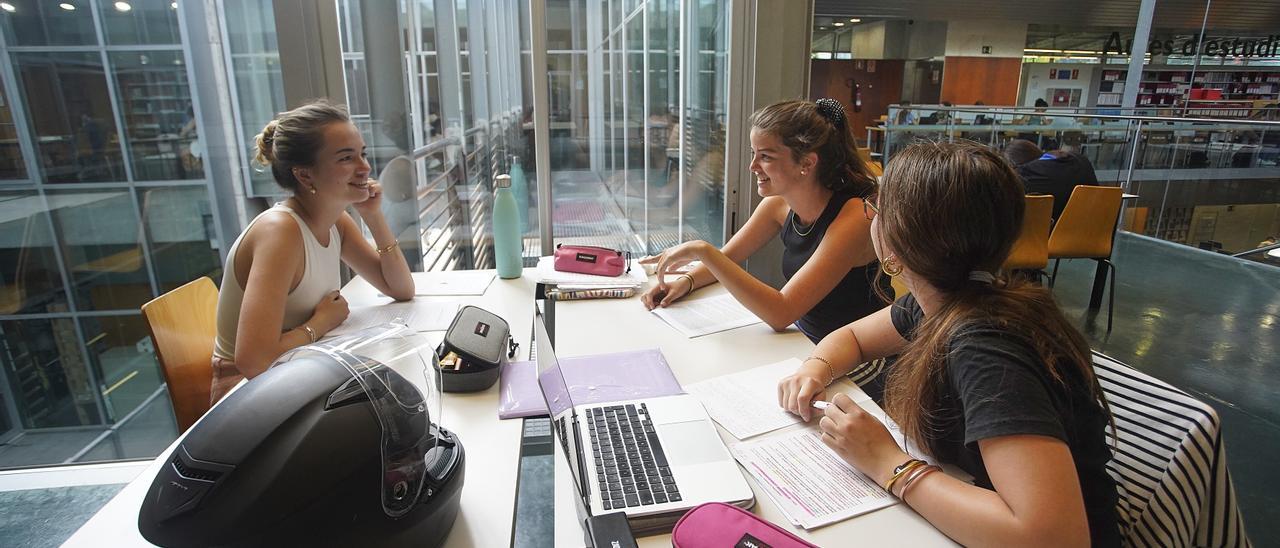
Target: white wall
868 40
1037 81
926 39
966 38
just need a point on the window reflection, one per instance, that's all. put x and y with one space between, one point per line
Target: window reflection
159 121
101 245
69 109
12 165
45 23
29 279
179 224
123 358
48 377
258 81
145 22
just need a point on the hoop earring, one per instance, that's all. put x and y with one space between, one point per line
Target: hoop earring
891 267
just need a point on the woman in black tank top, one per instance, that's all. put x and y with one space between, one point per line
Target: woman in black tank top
813 182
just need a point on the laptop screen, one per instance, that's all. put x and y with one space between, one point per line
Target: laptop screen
556 392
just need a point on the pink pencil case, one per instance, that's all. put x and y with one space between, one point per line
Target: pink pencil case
586 259
720 525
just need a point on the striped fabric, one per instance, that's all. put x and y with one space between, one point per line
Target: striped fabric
1169 464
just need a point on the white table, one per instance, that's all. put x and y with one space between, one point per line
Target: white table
615 325
493 446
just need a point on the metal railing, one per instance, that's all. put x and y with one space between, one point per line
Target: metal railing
1212 183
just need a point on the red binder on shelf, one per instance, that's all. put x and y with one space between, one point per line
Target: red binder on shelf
598 378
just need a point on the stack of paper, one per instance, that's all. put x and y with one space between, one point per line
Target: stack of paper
699 317
808 481
745 403
419 315
548 274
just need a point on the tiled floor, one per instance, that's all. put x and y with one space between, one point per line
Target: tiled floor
1207 324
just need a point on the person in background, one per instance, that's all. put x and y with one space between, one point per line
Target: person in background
813 183
991 376
1055 173
280 282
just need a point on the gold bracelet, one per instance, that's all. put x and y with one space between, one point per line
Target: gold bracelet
311 333
830 368
691 282
902 470
387 249
920 473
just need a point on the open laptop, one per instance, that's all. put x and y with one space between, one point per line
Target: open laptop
652 458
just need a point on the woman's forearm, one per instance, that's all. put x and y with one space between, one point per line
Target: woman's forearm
395 271
764 301
973 516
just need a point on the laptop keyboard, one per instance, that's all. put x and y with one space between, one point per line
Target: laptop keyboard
631 467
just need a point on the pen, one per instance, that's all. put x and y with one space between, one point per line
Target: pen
819 404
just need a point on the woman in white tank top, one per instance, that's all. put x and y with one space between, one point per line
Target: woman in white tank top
280 282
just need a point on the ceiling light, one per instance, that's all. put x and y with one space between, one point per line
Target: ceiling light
173 5
7 7
838 24
855 20
67 6
123 6
822 28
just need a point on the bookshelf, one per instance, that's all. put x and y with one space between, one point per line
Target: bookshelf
1210 94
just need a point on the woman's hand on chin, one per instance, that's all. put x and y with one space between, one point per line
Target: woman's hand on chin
372 204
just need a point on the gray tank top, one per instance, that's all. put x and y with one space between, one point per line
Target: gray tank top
320 276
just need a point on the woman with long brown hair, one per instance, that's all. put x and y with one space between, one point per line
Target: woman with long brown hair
991 376
813 183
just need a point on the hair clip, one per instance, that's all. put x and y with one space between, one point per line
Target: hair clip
832 110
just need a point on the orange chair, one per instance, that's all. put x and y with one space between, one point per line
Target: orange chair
1086 230
1031 250
183 324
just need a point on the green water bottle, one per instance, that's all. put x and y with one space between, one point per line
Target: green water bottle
520 187
506 229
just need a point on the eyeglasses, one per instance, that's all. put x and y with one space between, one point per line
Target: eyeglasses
869 207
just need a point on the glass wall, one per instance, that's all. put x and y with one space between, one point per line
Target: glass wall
105 205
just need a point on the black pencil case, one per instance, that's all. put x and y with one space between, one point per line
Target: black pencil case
482 340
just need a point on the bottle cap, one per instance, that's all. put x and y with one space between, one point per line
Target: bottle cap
502 181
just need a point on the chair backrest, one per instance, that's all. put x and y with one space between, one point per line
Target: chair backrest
1031 250
1169 463
183 324
1087 225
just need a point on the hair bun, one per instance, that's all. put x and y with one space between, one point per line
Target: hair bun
266 144
832 110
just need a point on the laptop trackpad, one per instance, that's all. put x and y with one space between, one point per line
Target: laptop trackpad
693 442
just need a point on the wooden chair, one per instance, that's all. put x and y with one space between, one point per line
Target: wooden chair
1086 230
183 324
1031 250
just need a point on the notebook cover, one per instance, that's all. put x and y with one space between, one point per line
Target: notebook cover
598 378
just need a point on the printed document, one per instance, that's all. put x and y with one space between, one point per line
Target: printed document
453 282
810 483
706 316
746 403
418 315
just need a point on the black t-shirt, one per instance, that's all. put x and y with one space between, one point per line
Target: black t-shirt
1057 177
853 297
997 385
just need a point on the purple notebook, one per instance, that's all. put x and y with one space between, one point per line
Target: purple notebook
599 378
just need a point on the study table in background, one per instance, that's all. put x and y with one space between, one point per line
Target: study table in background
616 325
